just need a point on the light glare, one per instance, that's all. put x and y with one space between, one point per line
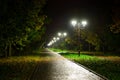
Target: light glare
65 34
58 38
59 34
84 23
74 22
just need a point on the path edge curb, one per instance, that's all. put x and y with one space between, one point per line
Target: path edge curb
90 70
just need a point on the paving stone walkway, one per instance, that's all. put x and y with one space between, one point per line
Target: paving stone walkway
56 67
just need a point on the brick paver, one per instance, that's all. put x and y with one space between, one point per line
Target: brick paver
55 67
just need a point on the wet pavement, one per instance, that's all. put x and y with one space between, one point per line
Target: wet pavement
56 67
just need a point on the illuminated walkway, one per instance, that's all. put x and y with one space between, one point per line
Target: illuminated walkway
55 67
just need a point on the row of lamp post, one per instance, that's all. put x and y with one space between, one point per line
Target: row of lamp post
55 39
78 25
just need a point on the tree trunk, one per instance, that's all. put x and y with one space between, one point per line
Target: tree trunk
10 50
6 52
89 47
104 49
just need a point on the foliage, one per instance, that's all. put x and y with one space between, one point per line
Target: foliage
91 38
110 69
115 27
20 21
19 67
98 39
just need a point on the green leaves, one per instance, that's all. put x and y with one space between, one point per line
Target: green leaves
18 20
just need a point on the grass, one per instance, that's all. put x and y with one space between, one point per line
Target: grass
58 50
106 65
18 68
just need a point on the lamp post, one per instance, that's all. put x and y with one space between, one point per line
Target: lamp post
78 26
62 35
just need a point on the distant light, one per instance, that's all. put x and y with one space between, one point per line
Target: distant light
54 38
74 22
65 34
58 38
52 41
84 23
48 44
59 34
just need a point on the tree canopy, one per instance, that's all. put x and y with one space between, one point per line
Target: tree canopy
115 28
21 21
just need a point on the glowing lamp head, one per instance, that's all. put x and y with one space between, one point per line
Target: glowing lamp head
59 34
84 23
65 34
74 22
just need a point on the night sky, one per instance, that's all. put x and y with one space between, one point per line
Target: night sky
61 12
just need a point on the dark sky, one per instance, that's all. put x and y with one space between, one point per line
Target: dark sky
61 12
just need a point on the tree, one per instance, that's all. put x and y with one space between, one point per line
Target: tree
18 20
115 28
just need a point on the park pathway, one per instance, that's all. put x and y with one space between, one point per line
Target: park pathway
56 67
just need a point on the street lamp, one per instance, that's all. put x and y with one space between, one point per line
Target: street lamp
61 35
74 22
55 39
78 26
58 38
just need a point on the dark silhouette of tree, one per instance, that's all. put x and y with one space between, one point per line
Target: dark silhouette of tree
20 22
115 28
